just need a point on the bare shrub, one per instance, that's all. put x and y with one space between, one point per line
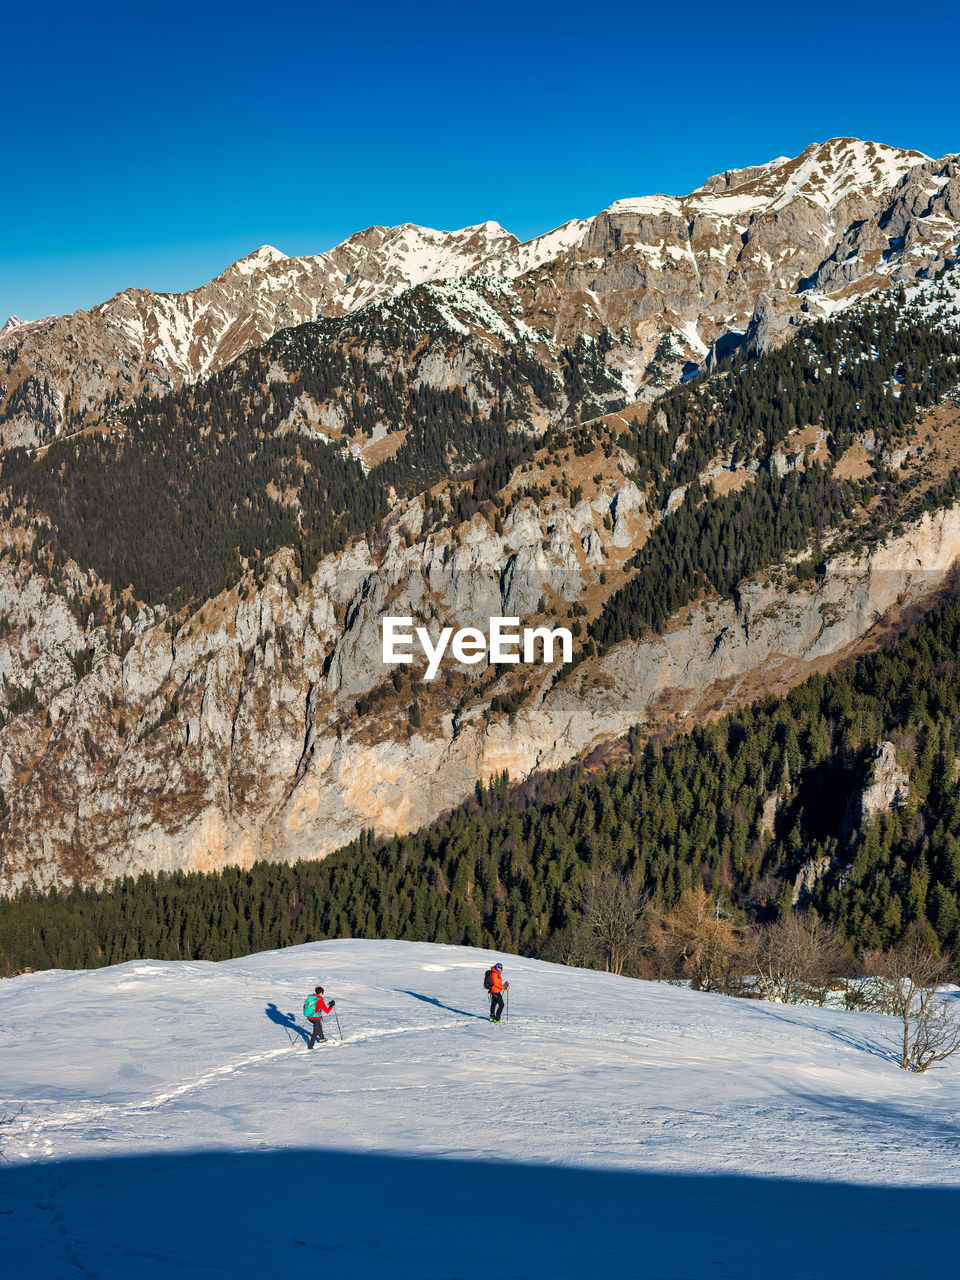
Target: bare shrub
4 1121
797 959
610 907
572 945
905 983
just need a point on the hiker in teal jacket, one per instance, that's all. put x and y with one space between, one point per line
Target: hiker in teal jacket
313 1008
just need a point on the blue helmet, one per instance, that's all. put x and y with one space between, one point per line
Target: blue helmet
498 966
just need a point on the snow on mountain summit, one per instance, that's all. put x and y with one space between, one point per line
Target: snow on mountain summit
9 329
265 256
850 215
173 1080
823 174
413 254
737 177
828 172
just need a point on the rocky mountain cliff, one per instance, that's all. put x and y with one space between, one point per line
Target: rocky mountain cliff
247 729
192 584
675 278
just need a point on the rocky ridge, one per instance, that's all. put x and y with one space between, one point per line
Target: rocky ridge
262 723
241 730
676 279
887 786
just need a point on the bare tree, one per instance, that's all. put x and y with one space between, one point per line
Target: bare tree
572 946
797 959
697 940
610 906
905 983
8 1120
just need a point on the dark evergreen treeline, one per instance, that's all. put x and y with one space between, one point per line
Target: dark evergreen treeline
871 370
171 514
714 545
184 486
738 806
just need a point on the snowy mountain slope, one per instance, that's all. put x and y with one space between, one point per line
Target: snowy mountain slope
797 237
823 174
68 367
63 368
174 1119
806 234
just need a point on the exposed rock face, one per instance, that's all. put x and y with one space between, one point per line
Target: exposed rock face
670 277
64 370
767 325
888 787
9 329
768 816
265 724
237 737
806 234
809 876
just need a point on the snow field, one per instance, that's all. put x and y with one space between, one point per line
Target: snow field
174 1123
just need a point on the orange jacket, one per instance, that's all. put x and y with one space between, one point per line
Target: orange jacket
496 981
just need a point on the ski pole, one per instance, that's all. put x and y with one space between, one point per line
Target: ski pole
506 1015
337 1016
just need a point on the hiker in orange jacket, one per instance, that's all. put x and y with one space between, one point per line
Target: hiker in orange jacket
497 988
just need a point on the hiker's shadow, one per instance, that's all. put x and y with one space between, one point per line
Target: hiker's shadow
439 1004
286 1020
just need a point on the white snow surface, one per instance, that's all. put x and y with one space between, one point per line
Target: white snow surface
265 256
174 1123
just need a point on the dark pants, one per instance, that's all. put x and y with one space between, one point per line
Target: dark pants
496 1006
317 1032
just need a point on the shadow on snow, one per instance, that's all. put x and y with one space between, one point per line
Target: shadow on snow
439 1003
854 1038
276 1213
288 1021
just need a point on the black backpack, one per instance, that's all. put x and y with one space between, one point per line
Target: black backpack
488 980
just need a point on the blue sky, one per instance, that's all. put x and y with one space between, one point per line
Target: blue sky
153 145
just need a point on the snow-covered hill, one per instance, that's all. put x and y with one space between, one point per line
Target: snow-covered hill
174 1123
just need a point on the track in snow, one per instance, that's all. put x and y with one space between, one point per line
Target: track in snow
607 1116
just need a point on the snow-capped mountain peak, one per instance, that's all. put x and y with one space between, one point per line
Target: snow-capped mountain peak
824 174
262 258
843 217
9 329
15 330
